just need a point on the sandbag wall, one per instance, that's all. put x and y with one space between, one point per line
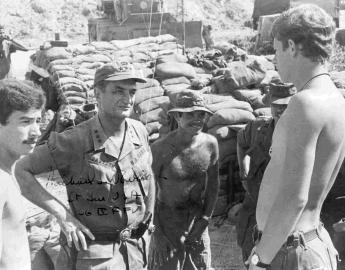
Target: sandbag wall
72 71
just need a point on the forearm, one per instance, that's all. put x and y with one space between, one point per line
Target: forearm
151 196
243 160
279 225
211 194
33 191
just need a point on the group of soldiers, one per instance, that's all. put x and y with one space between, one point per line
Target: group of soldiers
138 206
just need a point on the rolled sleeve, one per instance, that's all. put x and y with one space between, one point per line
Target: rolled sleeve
63 150
41 160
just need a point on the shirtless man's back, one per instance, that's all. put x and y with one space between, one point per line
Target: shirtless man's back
185 164
20 113
308 148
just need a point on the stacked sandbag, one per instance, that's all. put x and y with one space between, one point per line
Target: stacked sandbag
72 70
228 114
252 96
151 106
175 75
238 76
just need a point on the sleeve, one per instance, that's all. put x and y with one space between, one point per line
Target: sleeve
63 149
41 160
244 136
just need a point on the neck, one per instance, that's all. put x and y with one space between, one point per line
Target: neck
112 126
7 159
304 75
185 137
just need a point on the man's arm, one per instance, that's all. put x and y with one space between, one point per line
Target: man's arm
151 196
3 199
25 170
302 129
243 162
243 144
212 186
211 194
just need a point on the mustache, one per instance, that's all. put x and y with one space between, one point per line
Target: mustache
30 141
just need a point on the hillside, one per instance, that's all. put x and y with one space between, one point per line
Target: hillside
34 21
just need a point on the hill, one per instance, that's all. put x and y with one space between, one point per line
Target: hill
34 21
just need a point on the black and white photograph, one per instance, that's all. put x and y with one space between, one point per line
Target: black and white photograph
172 134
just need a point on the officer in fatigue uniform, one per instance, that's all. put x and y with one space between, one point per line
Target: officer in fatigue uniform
105 163
253 152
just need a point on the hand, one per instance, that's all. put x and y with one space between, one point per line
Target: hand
243 174
251 266
74 231
245 185
160 251
198 228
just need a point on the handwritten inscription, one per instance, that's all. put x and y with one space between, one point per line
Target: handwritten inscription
102 211
96 197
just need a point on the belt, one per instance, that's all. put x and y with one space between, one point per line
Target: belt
295 238
118 235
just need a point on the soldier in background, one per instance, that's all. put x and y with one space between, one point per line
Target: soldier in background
253 145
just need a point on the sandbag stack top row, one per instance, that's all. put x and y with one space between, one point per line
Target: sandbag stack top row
72 68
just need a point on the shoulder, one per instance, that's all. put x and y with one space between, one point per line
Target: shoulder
162 143
208 138
71 137
304 107
137 126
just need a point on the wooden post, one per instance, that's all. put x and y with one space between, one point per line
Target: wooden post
184 30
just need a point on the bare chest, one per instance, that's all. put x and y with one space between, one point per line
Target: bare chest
187 165
14 211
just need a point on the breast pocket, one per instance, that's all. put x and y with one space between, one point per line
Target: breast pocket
101 174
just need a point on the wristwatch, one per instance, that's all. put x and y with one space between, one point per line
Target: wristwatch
255 260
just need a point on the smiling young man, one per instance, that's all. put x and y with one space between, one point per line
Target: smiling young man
185 164
21 106
105 163
308 148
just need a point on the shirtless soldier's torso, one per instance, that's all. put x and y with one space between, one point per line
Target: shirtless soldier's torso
20 113
308 148
185 164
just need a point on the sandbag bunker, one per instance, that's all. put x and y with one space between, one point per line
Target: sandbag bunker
233 85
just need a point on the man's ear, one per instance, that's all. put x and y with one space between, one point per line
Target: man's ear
97 92
294 48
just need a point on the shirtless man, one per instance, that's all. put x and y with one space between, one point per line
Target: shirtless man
307 149
185 164
20 114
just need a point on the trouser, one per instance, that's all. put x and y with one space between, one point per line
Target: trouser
44 248
245 228
332 211
191 260
105 255
306 251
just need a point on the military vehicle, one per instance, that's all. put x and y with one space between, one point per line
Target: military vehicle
268 7
128 19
